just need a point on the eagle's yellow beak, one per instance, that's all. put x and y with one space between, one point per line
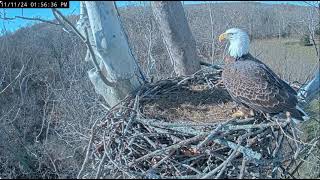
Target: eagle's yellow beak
222 36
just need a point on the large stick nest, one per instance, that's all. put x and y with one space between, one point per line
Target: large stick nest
182 128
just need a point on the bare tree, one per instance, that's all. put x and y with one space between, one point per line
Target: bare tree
212 32
177 36
116 72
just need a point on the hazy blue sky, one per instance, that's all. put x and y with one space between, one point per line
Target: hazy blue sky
74 9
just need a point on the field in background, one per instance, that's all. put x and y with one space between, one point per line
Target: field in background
290 60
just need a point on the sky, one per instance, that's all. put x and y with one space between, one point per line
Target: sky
74 10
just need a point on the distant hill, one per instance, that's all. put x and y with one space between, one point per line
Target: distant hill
45 41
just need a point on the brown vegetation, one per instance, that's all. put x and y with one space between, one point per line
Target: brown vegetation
47 112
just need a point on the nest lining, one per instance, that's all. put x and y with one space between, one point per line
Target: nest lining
196 103
182 128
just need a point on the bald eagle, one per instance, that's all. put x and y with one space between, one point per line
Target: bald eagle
252 83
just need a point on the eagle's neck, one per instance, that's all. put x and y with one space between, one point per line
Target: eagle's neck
229 59
244 57
239 47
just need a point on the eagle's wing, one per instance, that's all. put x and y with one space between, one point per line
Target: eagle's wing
279 81
261 89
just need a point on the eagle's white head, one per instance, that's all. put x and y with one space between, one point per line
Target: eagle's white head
239 42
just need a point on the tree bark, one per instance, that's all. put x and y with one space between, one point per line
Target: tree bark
312 89
177 36
112 53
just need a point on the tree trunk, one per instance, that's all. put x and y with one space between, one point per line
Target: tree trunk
177 36
312 89
111 51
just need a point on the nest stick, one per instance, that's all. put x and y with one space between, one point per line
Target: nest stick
187 149
243 167
172 147
211 173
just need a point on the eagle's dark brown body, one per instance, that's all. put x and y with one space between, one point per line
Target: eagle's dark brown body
252 83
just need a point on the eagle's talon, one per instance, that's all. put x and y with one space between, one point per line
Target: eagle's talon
238 114
243 113
251 113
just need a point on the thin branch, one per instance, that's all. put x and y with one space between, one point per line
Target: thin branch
88 149
211 173
15 79
243 168
172 147
29 18
102 160
59 15
37 19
